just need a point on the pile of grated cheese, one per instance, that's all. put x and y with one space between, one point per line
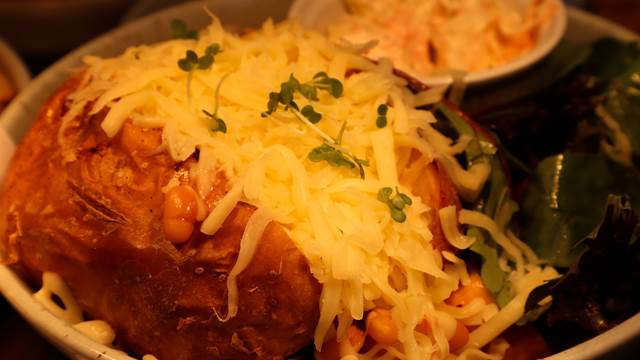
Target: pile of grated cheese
362 257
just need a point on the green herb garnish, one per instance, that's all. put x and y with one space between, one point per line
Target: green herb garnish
192 62
180 31
322 81
309 90
396 203
331 150
313 116
381 120
337 156
218 124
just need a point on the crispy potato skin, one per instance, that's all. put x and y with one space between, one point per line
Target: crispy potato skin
429 181
96 221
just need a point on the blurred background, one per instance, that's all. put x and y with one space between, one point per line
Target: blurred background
42 31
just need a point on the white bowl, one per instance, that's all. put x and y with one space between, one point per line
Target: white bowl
19 76
241 13
11 65
318 14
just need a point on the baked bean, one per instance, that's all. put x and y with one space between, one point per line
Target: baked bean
381 328
180 213
467 293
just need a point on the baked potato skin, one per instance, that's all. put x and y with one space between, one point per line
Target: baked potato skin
96 220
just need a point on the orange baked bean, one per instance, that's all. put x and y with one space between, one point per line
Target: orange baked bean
180 213
474 290
381 328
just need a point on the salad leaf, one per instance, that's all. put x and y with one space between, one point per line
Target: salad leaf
563 132
563 115
622 96
565 202
601 289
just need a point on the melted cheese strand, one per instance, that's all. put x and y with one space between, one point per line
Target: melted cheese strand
450 228
250 238
223 208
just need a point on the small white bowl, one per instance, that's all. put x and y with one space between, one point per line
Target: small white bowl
319 14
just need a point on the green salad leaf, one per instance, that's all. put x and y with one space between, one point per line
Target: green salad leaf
566 199
578 203
601 289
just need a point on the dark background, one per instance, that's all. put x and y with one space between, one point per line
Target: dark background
17 339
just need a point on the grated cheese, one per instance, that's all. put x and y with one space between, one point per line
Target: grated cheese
253 232
360 255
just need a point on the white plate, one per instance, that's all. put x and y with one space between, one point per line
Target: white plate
241 13
318 14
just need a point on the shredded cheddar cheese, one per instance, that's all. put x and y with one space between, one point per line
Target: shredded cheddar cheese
361 256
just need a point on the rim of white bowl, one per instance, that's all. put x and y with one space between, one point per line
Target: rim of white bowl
66 338
602 25
11 63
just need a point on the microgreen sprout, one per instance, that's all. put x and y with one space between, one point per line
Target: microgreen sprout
179 30
396 203
322 81
337 156
331 150
309 90
192 62
313 116
381 120
218 123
